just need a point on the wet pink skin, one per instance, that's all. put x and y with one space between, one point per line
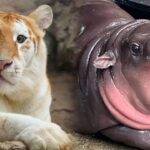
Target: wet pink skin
127 96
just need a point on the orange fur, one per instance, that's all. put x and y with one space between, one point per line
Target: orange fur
25 94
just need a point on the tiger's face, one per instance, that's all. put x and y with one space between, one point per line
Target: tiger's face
20 44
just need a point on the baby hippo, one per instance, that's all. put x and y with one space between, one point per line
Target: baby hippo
114 73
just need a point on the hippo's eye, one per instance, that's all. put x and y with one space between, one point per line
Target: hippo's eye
135 49
21 38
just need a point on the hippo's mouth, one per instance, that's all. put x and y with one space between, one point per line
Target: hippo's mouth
122 102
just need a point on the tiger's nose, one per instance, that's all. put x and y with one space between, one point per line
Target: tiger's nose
4 64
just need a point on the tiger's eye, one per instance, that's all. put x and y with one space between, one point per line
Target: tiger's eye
21 38
135 49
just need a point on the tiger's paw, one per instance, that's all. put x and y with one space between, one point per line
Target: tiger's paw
12 145
45 137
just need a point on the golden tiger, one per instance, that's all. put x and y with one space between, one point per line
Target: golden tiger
25 95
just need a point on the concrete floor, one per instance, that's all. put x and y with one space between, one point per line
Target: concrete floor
82 142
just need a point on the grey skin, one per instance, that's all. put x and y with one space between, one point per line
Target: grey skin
109 32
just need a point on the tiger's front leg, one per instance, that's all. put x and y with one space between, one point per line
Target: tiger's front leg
12 145
36 134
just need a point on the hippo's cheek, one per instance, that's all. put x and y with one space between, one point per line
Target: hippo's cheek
140 83
127 98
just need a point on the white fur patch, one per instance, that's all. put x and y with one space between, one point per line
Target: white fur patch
18 28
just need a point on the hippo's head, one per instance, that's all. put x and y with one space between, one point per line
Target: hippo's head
125 74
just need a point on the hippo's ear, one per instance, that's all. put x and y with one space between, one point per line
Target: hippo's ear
106 60
43 16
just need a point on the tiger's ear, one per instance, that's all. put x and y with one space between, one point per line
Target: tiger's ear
43 16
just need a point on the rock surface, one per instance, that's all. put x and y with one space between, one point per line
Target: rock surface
65 29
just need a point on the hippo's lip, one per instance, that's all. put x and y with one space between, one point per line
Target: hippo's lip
121 107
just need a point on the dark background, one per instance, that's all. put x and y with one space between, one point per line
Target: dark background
140 9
